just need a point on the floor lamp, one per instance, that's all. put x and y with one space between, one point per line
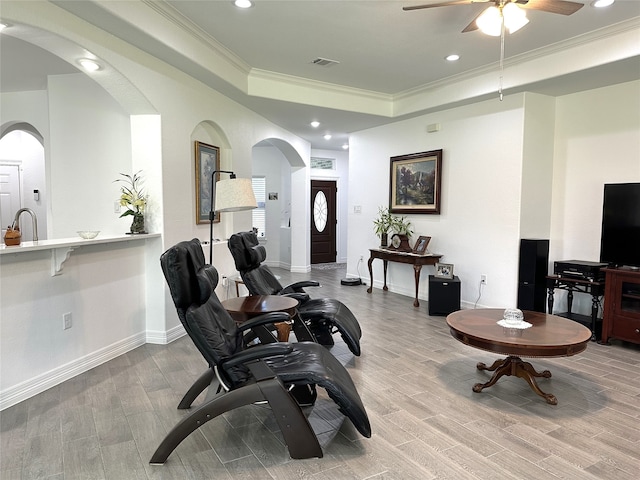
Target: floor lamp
231 195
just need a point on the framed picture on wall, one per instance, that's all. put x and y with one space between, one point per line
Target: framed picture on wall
415 183
207 162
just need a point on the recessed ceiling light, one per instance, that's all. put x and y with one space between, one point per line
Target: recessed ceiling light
452 58
3 26
243 3
345 146
602 3
89 65
327 136
315 124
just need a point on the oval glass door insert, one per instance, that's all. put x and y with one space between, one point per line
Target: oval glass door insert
320 211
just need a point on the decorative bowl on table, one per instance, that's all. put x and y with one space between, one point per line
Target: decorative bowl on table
513 316
88 234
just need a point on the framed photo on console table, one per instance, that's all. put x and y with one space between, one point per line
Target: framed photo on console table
444 270
207 162
421 245
415 183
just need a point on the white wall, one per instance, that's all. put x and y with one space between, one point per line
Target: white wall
526 167
102 286
479 224
90 144
597 141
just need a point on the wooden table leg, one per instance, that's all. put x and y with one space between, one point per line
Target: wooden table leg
416 273
515 366
385 263
370 275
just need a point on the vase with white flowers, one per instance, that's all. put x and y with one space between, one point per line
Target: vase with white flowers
134 198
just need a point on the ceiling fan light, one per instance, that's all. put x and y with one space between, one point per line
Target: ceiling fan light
490 22
602 3
514 17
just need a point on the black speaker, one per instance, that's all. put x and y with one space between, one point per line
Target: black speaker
532 272
444 295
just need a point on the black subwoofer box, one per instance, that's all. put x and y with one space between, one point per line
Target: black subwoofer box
532 272
444 295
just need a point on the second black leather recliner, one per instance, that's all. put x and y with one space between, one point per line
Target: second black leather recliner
324 316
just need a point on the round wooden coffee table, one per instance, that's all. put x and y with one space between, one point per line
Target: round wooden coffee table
242 309
549 336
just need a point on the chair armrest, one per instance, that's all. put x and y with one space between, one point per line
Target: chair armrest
273 317
298 286
300 297
258 352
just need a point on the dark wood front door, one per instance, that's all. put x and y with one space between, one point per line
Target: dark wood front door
323 221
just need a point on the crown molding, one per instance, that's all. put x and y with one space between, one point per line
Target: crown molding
181 22
586 40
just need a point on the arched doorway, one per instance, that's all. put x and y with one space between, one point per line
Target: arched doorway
22 178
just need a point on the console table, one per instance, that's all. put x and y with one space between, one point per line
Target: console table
595 289
387 255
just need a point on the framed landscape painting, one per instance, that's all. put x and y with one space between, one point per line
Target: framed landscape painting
415 183
207 162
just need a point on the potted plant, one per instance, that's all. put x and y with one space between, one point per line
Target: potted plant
401 225
133 197
382 225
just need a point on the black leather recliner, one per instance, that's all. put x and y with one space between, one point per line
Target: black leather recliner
324 316
272 372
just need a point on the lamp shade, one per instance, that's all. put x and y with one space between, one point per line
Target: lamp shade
234 194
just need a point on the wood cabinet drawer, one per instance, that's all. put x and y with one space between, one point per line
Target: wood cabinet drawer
627 329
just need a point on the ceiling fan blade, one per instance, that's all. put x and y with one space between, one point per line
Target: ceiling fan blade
472 26
563 7
444 4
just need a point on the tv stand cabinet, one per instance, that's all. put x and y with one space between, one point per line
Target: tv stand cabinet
621 319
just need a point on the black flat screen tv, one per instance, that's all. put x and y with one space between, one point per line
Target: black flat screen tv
620 242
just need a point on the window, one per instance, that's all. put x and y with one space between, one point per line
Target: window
259 215
323 163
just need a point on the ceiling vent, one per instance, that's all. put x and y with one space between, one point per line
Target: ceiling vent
324 62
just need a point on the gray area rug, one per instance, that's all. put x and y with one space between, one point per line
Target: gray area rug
328 266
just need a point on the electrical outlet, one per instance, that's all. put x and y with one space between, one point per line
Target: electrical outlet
362 258
66 321
225 281
483 279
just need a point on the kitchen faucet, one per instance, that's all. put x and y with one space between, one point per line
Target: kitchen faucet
34 221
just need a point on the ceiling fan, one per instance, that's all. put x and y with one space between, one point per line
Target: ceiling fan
490 20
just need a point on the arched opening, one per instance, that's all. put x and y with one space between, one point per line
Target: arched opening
23 184
286 203
88 128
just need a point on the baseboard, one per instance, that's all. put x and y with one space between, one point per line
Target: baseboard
165 337
44 381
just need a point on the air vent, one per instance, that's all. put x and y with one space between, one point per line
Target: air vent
324 62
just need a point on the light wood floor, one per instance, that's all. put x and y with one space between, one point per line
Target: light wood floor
415 381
